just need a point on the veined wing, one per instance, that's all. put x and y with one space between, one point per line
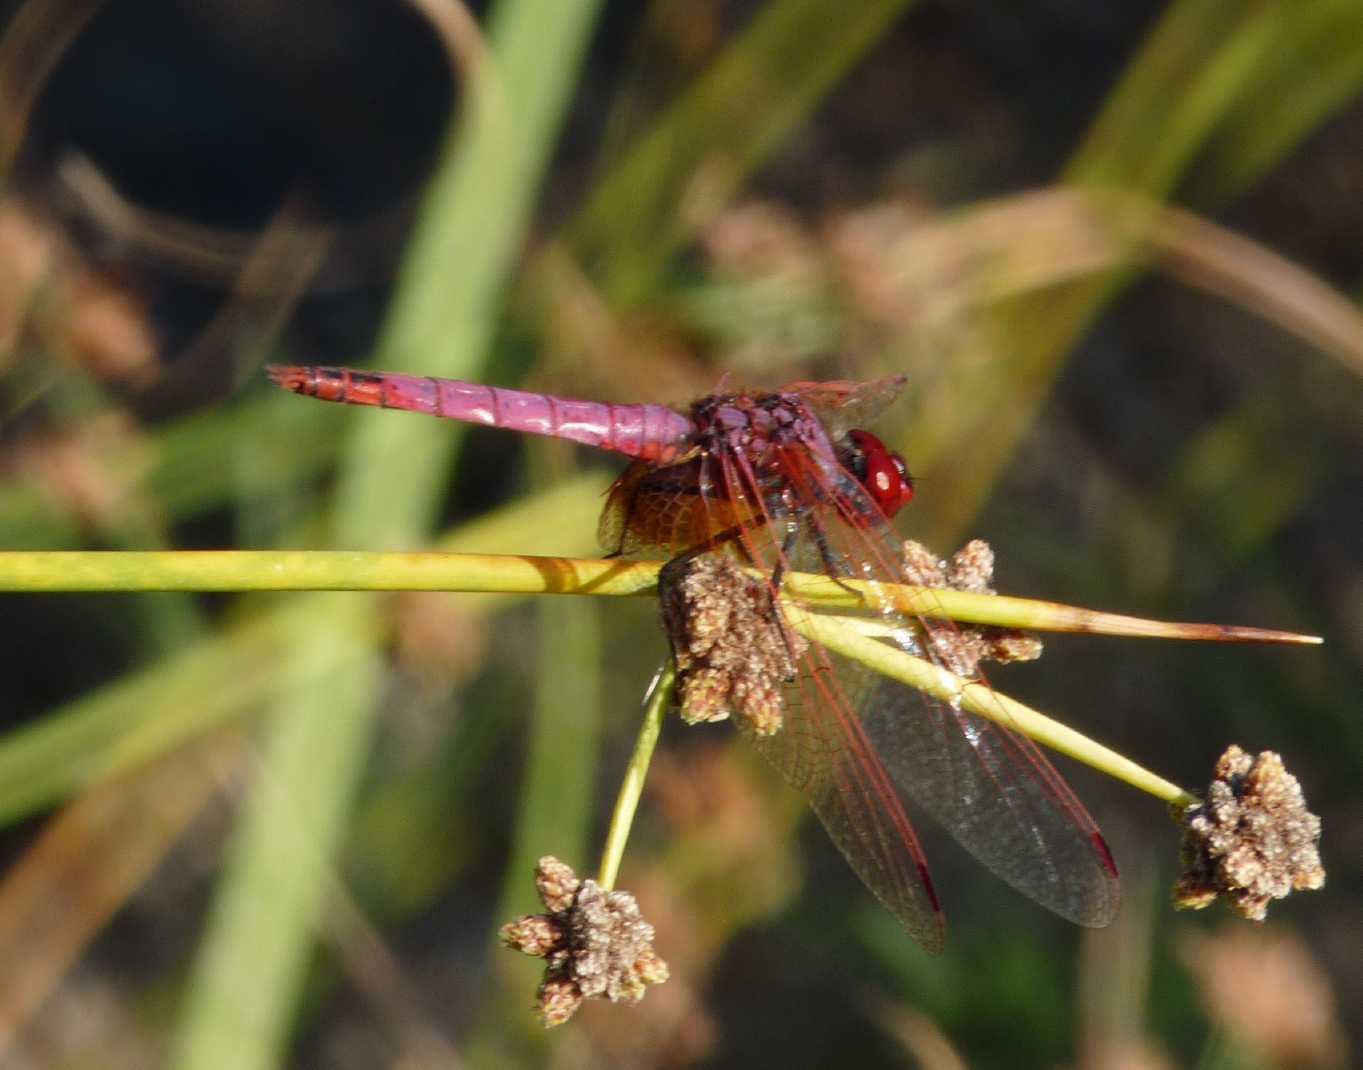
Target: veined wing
844 404
669 509
823 751
859 745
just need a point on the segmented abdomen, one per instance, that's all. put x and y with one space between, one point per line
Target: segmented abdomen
650 432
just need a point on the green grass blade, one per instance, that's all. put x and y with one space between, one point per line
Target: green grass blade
317 570
1195 67
744 106
1188 74
1314 69
556 799
480 200
267 911
141 715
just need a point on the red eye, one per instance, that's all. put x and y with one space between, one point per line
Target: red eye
883 474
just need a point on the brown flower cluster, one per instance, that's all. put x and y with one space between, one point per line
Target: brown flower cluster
595 943
961 648
1251 840
733 655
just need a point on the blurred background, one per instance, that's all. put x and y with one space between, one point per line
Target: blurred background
1117 249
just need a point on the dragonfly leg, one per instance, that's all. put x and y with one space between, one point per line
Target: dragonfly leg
830 565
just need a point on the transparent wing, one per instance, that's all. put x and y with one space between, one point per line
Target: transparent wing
844 404
823 752
822 749
860 746
997 794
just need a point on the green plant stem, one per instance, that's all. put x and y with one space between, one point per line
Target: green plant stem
982 700
352 570
319 570
855 637
633 785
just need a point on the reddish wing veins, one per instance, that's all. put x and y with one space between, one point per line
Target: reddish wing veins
844 404
858 745
989 786
823 751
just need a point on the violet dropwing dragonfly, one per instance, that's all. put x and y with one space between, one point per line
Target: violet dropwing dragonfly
784 480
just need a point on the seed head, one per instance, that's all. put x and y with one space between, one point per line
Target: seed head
1251 840
595 943
733 654
962 648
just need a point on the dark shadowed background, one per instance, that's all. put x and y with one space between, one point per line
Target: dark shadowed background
1117 249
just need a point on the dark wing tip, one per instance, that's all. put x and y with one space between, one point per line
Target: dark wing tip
1104 854
1103 907
933 936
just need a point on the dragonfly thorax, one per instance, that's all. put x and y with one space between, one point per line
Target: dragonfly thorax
753 426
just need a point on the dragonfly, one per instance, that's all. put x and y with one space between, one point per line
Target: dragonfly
789 482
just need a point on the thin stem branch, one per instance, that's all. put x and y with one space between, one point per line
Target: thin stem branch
845 637
627 802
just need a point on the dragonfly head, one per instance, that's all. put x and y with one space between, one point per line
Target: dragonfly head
884 474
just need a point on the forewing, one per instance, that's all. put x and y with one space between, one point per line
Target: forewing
989 786
844 404
823 752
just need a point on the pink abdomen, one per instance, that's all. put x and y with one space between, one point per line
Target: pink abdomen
650 432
